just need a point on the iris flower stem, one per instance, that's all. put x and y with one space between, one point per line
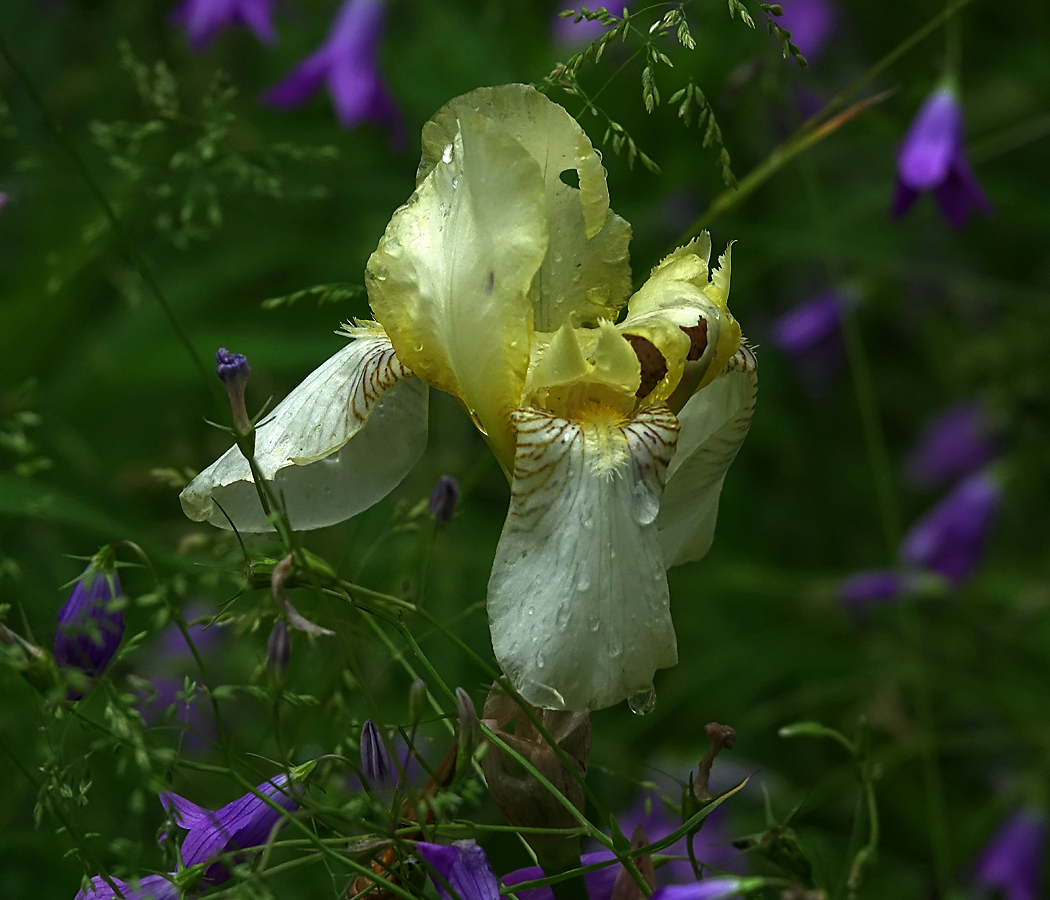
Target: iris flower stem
131 252
817 127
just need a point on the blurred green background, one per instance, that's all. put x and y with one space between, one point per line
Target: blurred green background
288 200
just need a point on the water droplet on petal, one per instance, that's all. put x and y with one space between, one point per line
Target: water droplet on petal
642 703
540 661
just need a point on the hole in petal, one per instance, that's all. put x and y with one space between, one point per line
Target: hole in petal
654 366
697 339
570 177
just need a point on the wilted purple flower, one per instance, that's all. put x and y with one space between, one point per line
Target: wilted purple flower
203 19
443 499
152 887
951 537
244 823
89 629
566 32
465 868
866 588
347 62
377 768
811 23
810 334
932 158
956 442
1012 862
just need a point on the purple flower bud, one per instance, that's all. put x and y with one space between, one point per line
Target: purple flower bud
233 370
245 823
956 442
203 19
951 537
464 867
278 649
811 23
152 887
568 33
348 63
1012 862
377 768
875 586
444 498
89 628
932 158
810 334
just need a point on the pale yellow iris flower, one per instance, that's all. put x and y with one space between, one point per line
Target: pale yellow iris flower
501 282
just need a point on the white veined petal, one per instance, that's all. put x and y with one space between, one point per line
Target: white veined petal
714 424
338 443
578 602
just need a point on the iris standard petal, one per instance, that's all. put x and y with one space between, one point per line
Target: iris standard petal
341 441
578 601
714 424
587 274
450 279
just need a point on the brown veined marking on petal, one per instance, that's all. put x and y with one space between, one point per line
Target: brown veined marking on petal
744 360
654 366
697 339
538 432
381 370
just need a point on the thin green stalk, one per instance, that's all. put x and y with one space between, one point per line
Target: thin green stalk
131 252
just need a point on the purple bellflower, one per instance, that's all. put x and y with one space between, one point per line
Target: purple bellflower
89 629
1012 862
599 883
811 23
444 498
951 537
463 866
810 335
707 889
152 887
954 443
932 158
244 823
864 589
567 32
203 19
348 63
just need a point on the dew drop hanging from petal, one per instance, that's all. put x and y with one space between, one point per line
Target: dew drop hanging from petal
642 703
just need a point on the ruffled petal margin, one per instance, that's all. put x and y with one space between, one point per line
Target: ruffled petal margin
338 443
714 424
578 601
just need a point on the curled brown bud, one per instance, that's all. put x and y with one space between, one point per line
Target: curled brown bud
720 736
518 794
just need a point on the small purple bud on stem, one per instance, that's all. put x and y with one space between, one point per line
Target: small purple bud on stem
233 370
467 734
377 768
279 649
444 498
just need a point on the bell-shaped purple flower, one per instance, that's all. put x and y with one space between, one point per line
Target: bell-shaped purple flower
599 883
811 23
1012 862
245 823
151 887
707 889
932 158
348 63
951 537
956 442
463 866
203 19
443 499
89 628
810 335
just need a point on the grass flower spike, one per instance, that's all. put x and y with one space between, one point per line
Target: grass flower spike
503 283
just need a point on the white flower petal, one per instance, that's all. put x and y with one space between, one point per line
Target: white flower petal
714 424
578 602
341 441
